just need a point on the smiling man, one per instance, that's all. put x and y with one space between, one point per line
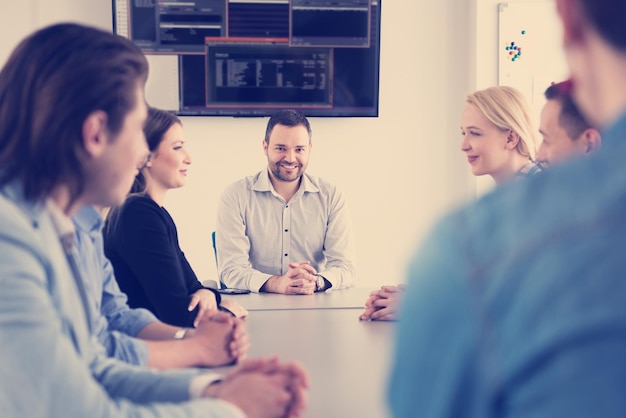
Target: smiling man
282 230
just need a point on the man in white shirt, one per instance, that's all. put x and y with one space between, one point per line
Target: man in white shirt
281 230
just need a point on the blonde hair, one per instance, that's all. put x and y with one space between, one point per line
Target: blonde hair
507 108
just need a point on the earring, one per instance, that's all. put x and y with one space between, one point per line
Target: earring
147 163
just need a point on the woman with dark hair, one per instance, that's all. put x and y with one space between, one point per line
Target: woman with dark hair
141 240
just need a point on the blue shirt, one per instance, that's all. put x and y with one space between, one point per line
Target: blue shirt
115 323
516 305
50 363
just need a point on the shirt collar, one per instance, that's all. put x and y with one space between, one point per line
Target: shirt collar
88 219
264 184
62 223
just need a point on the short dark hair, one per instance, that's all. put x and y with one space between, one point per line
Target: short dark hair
51 83
570 118
607 17
157 124
287 117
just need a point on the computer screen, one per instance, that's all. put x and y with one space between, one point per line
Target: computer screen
253 57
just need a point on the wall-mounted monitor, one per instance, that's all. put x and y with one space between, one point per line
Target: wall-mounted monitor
252 57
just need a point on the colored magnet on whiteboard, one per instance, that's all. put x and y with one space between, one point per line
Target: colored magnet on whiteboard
523 32
515 51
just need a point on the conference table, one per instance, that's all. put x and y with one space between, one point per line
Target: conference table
347 359
352 298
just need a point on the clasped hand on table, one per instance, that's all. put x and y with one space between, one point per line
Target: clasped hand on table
383 304
299 279
264 388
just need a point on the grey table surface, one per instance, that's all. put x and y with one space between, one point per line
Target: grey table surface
334 299
347 359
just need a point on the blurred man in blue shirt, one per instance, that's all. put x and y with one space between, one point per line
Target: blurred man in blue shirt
516 306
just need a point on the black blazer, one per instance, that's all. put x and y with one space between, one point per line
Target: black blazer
141 241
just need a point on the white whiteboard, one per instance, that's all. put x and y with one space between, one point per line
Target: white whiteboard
533 26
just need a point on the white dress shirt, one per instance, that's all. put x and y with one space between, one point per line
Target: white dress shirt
258 233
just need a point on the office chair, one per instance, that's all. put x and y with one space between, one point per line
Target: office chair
221 285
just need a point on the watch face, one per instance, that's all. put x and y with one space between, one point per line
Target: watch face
320 283
180 334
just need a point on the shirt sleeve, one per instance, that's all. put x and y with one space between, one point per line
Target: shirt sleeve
233 246
123 347
339 247
115 307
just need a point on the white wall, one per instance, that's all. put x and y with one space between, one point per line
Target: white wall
487 48
400 171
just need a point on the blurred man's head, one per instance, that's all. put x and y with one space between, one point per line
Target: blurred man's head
594 39
565 131
71 115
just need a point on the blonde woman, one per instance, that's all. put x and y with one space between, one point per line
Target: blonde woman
498 134
499 141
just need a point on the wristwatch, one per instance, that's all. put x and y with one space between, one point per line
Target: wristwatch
180 334
320 284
